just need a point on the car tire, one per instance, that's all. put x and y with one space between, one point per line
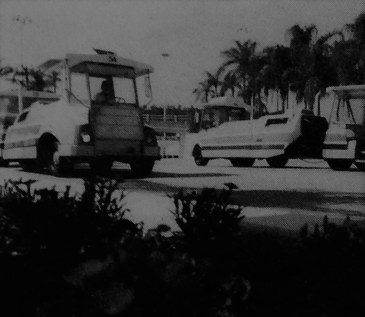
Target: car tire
340 164
198 157
242 162
142 167
277 161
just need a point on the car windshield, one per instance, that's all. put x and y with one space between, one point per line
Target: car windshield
112 82
215 116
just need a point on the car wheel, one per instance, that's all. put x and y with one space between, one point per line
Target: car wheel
142 167
277 161
340 164
198 157
242 162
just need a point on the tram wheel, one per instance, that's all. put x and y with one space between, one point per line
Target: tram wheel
142 167
49 160
277 161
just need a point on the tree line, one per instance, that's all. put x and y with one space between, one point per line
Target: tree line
308 65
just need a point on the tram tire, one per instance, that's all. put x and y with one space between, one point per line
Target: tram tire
339 164
242 162
198 157
101 166
3 163
142 167
277 161
49 161
360 166
28 165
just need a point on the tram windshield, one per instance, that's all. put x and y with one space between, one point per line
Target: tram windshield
215 116
349 110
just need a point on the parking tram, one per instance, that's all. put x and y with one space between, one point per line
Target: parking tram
258 134
13 102
81 127
345 139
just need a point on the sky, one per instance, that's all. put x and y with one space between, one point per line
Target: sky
181 39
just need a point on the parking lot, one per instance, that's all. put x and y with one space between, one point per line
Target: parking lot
303 192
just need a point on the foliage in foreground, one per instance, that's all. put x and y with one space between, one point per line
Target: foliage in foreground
79 256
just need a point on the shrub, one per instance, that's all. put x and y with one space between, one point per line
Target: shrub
208 221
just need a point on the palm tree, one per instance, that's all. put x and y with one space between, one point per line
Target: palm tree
229 82
349 53
242 60
213 81
312 70
203 91
274 74
209 87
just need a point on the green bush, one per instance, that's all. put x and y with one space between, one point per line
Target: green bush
208 221
79 256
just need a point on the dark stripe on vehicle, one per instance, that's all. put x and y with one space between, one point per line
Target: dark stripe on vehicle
245 147
335 146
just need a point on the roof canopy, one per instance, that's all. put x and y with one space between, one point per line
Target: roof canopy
351 91
226 101
78 62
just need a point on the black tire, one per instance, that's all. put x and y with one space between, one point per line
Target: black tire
242 162
49 161
198 157
142 167
101 166
277 161
360 166
3 163
28 165
340 164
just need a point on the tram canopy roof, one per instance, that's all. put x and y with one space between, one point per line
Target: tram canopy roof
351 91
82 62
226 101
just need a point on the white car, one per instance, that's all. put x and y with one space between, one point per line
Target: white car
81 128
257 134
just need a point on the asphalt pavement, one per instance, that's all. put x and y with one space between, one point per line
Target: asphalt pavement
286 198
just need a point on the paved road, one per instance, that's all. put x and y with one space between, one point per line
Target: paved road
303 192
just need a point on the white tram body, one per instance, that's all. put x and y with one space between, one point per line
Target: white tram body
76 128
345 139
274 137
